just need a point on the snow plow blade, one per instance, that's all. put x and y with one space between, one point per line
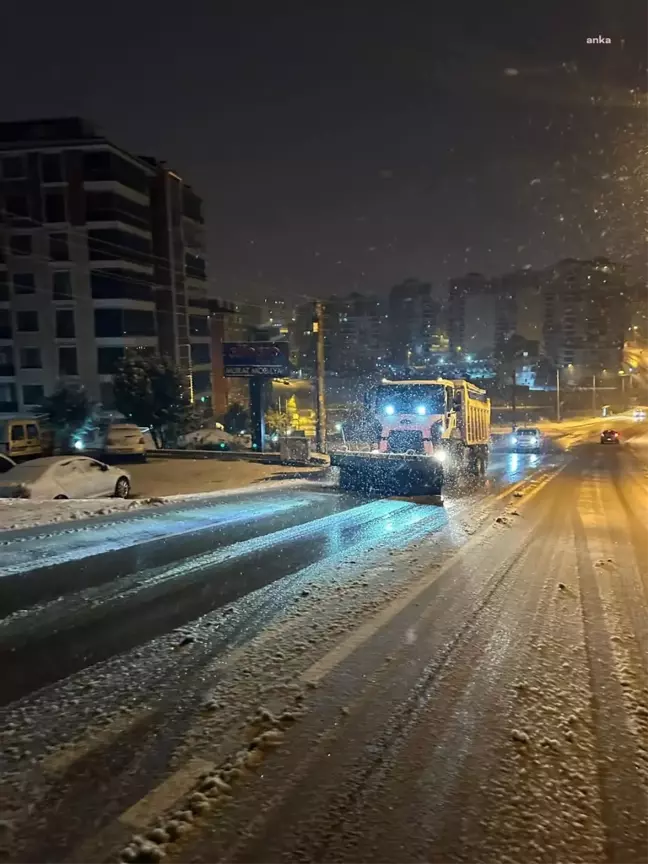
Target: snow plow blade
389 473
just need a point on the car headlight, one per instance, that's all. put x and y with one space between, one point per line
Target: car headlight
514 439
440 455
78 445
389 409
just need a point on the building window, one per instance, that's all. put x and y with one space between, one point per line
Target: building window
51 168
17 207
107 360
20 244
110 323
5 324
201 382
200 354
68 361
6 361
55 207
24 283
106 244
27 321
14 168
120 284
198 325
33 394
65 328
8 401
58 247
30 358
4 287
62 285
195 266
96 165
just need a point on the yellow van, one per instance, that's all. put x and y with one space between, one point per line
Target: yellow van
24 438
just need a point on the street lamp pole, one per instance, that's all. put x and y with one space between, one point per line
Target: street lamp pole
558 394
594 393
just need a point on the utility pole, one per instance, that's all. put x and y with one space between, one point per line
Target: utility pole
513 396
594 393
558 394
318 329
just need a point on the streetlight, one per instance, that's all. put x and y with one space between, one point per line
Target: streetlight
340 428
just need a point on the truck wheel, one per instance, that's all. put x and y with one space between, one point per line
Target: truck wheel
478 465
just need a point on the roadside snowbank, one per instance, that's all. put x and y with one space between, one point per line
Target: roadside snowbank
16 514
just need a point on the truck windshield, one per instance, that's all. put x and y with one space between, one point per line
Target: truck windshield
414 399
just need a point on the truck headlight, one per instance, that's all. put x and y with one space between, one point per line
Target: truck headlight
440 455
421 409
389 409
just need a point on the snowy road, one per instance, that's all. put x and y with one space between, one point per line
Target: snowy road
347 680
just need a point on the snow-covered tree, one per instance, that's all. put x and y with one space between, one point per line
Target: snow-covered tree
149 390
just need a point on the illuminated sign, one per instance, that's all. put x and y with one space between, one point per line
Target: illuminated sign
247 359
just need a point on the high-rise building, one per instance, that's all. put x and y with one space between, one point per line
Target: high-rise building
587 314
472 320
100 251
414 323
180 278
352 333
483 313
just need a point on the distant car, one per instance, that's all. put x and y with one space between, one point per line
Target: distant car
527 440
55 477
639 414
610 436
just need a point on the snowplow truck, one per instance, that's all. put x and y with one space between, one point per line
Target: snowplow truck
428 432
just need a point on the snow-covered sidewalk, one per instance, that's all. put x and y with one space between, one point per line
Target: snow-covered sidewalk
17 513
155 483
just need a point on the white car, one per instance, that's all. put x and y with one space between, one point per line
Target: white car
527 440
125 439
64 477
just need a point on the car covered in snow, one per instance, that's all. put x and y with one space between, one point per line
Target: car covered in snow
60 477
214 438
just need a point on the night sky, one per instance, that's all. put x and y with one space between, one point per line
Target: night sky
350 146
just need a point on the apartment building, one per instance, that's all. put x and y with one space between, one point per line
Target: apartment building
100 251
587 315
413 323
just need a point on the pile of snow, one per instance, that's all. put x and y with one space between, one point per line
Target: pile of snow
18 513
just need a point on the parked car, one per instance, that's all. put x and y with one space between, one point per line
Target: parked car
24 438
527 440
55 477
125 439
214 438
610 436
